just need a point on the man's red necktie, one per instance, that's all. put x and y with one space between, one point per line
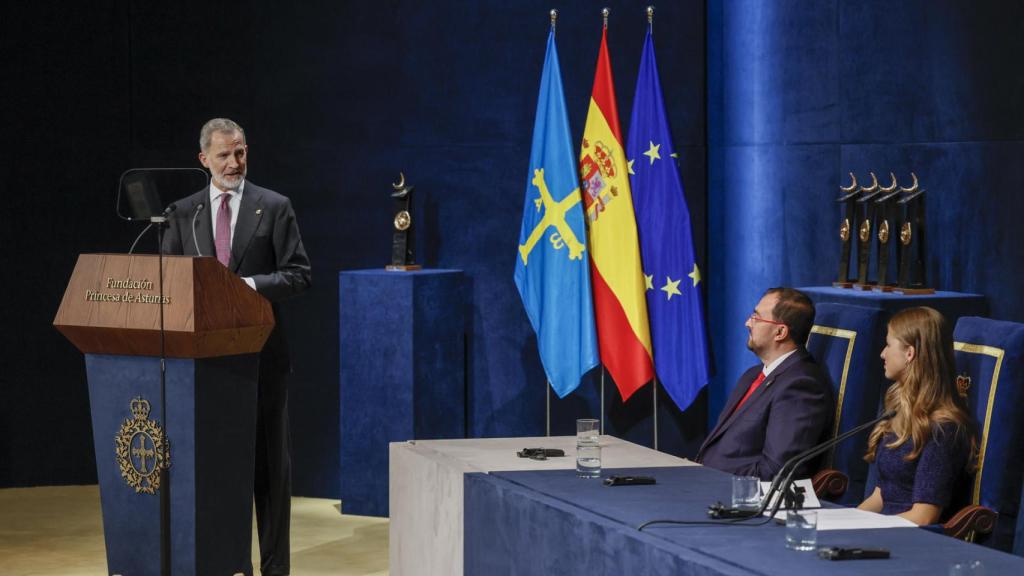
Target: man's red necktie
753 386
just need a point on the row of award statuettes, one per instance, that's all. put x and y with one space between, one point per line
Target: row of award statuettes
869 221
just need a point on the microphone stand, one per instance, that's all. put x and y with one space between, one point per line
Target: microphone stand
165 475
813 452
783 481
784 478
195 216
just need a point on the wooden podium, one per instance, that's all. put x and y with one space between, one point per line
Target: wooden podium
215 326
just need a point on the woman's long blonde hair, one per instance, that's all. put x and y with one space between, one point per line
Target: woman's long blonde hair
925 394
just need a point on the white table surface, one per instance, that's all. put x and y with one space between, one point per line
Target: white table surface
425 492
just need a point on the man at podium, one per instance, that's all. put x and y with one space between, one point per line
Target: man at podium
252 231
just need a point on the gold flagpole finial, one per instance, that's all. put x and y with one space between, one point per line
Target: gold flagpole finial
650 15
604 13
554 16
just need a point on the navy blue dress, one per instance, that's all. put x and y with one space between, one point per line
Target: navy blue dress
931 478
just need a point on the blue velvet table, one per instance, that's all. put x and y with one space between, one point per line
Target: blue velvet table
953 305
402 377
550 522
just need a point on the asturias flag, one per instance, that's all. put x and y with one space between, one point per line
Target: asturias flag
551 267
666 243
619 305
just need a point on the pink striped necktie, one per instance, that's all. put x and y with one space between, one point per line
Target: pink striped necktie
223 239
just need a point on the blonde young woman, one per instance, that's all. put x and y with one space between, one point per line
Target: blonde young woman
924 450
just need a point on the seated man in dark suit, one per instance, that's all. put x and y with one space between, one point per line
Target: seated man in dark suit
780 407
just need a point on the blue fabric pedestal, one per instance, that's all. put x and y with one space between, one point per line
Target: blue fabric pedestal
402 351
953 305
211 424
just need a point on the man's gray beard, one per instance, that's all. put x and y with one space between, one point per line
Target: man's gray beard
225 186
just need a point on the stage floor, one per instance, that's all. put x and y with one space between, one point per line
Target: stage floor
58 530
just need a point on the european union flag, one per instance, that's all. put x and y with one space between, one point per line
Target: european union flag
666 242
552 270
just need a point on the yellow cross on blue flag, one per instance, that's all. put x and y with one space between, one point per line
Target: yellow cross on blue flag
666 243
552 268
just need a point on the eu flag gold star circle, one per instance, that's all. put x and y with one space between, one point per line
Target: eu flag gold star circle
652 152
671 288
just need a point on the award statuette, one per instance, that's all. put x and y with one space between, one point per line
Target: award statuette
402 241
888 218
866 210
911 237
847 197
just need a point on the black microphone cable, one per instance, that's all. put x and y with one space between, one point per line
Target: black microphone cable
171 208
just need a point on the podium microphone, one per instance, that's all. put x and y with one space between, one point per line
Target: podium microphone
195 216
153 220
784 477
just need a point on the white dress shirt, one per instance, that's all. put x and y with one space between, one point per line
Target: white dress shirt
775 363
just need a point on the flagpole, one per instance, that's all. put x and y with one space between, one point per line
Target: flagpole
547 398
655 388
604 15
650 25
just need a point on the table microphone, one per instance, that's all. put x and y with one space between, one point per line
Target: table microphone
784 477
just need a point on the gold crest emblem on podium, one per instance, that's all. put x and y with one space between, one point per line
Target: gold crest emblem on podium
139 447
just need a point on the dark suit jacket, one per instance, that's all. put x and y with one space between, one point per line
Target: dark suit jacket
790 411
266 247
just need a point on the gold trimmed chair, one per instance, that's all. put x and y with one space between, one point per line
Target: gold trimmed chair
990 374
846 340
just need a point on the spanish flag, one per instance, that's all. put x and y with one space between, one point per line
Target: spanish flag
620 306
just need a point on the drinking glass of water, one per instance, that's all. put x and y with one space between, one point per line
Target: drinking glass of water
746 492
588 461
587 430
801 530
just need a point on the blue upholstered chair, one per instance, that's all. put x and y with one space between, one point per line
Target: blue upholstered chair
846 341
990 368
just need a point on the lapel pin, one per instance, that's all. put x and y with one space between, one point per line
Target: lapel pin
259 211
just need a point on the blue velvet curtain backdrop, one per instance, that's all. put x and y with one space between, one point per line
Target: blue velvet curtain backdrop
771 102
800 93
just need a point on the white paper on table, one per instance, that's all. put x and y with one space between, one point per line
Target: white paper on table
810 498
856 519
